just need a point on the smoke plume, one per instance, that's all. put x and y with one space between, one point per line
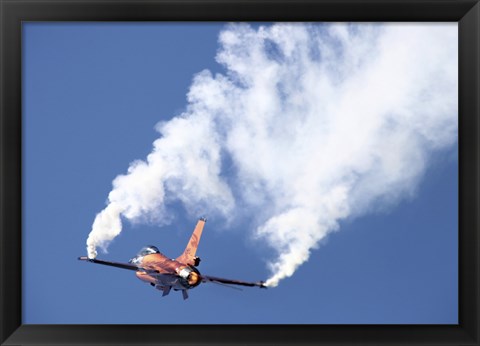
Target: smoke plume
310 124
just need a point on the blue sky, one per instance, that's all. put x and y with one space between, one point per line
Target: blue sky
92 95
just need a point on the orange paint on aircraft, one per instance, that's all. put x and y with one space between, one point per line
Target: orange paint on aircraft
164 273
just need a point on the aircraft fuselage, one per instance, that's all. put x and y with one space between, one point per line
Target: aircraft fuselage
162 271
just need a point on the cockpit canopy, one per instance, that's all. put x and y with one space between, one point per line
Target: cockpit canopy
148 250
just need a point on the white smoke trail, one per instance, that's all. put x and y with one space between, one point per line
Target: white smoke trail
319 122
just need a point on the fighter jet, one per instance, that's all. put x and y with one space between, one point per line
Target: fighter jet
164 273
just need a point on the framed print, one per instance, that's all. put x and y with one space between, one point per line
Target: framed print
331 146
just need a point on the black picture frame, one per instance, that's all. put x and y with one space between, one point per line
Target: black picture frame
14 12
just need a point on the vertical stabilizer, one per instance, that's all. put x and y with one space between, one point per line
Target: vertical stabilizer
188 256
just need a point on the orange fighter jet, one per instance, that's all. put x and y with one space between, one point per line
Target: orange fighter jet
164 273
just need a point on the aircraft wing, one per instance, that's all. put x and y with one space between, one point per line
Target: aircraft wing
108 263
207 278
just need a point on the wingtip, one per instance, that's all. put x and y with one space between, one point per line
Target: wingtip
85 258
261 284
203 218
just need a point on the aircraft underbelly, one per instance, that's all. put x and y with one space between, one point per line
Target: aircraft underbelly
162 280
169 280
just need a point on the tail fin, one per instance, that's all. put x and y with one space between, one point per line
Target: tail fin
188 255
